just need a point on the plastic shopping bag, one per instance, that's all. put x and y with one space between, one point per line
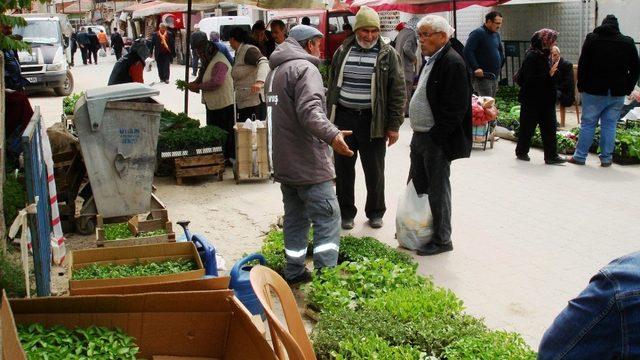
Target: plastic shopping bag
102 53
414 222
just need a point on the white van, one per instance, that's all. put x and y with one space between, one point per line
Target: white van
223 25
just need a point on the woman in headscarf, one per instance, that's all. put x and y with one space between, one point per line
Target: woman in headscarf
130 67
250 70
216 85
538 97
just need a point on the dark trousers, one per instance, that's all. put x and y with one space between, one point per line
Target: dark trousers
194 61
163 61
118 52
430 172
94 53
84 52
223 118
260 111
530 117
372 152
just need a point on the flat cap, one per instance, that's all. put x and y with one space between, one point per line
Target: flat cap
304 32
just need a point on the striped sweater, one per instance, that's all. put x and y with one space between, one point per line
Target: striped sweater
358 72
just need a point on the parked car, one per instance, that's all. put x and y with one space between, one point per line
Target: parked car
329 22
47 65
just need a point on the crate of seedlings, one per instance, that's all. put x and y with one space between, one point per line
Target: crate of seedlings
154 229
134 265
191 142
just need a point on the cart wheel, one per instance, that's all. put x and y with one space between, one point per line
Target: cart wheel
86 225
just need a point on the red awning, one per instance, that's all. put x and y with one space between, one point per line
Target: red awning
420 6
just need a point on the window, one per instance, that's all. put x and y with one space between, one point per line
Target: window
226 29
338 20
39 32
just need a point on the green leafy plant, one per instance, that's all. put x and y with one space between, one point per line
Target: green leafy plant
490 345
359 248
11 42
374 347
628 143
393 318
11 275
69 103
351 283
172 121
191 138
60 343
114 271
152 233
273 250
15 197
181 85
117 231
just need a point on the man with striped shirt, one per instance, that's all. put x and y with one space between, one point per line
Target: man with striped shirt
366 96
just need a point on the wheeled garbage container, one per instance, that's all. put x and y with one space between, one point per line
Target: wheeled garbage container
118 129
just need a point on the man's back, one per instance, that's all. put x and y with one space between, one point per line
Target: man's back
608 62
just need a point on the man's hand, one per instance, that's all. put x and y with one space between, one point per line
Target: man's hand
391 137
255 88
554 68
339 145
194 86
479 73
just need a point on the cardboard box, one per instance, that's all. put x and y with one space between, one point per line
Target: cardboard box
200 324
130 255
245 142
218 283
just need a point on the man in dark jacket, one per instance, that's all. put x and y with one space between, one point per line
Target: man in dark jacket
563 81
302 159
117 43
94 46
74 46
485 55
84 43
440 113
366 95
163 47
608 70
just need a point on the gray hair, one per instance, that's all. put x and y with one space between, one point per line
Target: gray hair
304 43
437 24
556 48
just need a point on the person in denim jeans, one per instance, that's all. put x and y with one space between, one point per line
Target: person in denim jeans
302 159
608 70
603 322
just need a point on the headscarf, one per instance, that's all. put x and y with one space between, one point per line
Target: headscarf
400 26
542 41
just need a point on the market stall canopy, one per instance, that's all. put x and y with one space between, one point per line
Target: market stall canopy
157 7
421 6
73 6
264 4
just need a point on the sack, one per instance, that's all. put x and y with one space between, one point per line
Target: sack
414 222
102 53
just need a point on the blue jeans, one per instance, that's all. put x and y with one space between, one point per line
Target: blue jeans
304 205
606 109
603 322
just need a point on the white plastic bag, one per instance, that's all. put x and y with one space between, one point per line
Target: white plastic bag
102 53
414 222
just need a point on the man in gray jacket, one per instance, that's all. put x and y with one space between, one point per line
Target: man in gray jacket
406 45
302 160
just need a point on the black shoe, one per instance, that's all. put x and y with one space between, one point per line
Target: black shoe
303 278
605 164
375 223
556 161
573 160
433 249
524 157
347 224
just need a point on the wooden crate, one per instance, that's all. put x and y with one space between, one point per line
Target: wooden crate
69 171
243 168
199 165
159 219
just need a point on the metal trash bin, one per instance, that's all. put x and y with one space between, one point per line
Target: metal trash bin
118 129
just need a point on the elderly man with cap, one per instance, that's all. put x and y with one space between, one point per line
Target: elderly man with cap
440 115
302 158
366 96
215 83
130 67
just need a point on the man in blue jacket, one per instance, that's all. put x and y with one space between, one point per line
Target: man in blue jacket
485 55
603 322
